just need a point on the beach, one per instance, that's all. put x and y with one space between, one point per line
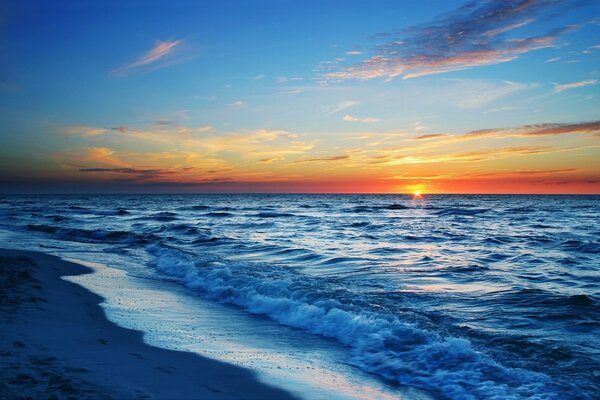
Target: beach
57 343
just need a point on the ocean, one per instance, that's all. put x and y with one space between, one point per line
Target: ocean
349 296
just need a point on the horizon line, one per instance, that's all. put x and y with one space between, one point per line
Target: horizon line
293 193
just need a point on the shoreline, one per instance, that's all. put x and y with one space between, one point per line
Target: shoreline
57 341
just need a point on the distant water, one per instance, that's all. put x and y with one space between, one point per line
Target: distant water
468 297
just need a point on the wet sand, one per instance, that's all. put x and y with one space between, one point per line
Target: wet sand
56 342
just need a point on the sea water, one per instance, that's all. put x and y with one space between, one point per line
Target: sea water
464 297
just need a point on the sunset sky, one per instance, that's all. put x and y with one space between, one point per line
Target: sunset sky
300 96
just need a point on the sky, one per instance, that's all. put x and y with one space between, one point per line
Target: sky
300 96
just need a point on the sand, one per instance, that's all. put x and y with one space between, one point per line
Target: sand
55 342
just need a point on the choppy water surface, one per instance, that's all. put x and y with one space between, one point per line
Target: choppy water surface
465 296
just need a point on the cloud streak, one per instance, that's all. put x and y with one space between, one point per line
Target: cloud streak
136 174
84 131
474 156
155 57
340 107
323 159
574 85
367 120
477 34
541 129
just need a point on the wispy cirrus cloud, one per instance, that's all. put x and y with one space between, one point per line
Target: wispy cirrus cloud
341 106
323 159
270 160
84 131
475 155
482 92
431 136
525 172
541 129
132 173
574 85
366 120
161 131
477 34
161 55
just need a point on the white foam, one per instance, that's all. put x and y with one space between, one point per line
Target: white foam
284 357
379 343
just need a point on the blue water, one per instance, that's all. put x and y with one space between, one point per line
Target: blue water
466 297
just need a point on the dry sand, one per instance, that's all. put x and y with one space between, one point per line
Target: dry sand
55 342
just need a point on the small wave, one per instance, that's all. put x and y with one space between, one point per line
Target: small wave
58 218
290 251
461 211
385 251
118 211
545 299
273 215
521 210
362 209
582 246
307 257
467 268
219 214
98 236
183 229
162 216
497 240
395 207
198 207
361 224
42 228
208 240
343 260
541 226
581 300
425 239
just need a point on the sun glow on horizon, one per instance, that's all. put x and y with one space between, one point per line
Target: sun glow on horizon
417 195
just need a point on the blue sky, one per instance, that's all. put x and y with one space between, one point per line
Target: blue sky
280 94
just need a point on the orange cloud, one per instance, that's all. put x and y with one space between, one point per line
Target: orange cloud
104 156
323 159
270 160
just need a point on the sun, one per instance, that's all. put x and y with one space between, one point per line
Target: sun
416 190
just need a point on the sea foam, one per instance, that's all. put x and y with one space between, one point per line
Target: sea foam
379 343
